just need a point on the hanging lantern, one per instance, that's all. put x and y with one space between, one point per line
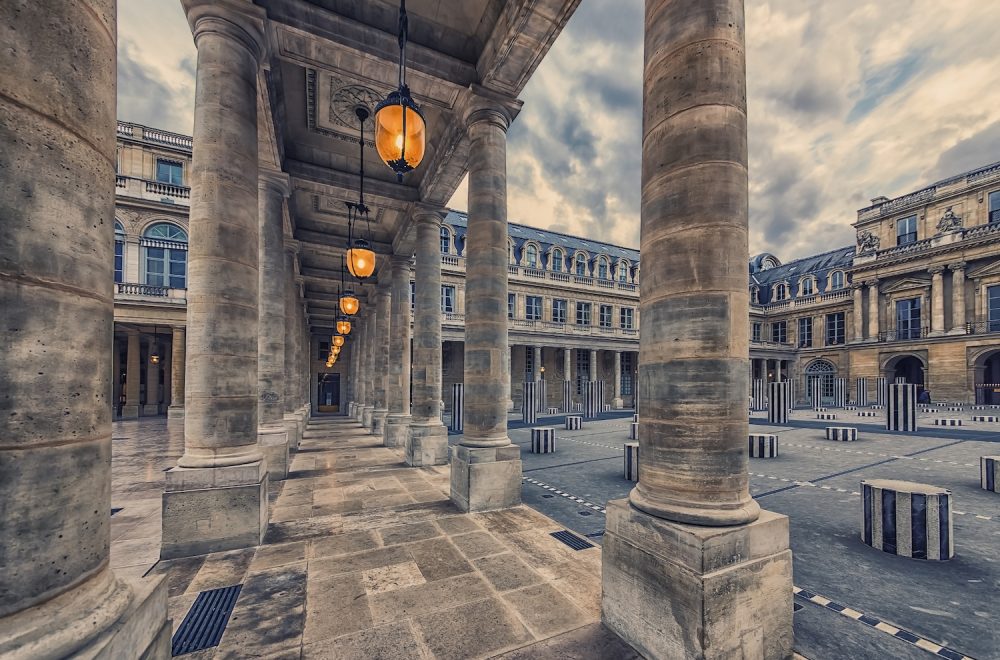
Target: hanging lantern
154 354
360 256
400 129
349 304
343 326
361 259
338 341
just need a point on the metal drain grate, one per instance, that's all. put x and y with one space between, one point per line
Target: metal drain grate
585 513
595 535
205 622
548 496
572 540
115 509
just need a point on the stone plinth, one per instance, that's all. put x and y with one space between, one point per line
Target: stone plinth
687 591
989 467
213 509
486 478
273 443
426 444
867 413
763 445
907 519
631 459
397 430
841 433
985 418
552 411
543 440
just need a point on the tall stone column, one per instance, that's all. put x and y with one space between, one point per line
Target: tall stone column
200 514
689 543
486 467
362 348
383 301
57 127
957 298
272 433
427 442
374 320
397 425
617 386
536 363
595 373
857 291
132 376
937 300
290 318
568 363
152 405
873 328
177 364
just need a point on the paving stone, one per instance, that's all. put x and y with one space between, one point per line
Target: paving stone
269 556
395 641
506 572
478 544
391 578
545 610
408 533
438 559
362 561
335 606
420 599
458 524
343 544
222 569
475 629
592 641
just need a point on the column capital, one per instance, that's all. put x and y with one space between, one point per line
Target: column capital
275 180
427 214
936 270
401 261
238 20
872 283
489 106
955 267
291 247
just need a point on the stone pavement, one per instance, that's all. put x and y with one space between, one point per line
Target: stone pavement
367 558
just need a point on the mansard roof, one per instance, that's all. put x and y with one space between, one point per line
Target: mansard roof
818 265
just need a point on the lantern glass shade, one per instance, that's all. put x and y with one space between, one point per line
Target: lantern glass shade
338 341
349 304
335 351
361 259
344 327
390 138
154 358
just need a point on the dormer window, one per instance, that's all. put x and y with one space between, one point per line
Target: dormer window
557 260
780 292
808 288
837 279
602 269
906 230
581 265
532 256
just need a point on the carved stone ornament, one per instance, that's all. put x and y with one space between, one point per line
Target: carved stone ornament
949 222
867 242
268 396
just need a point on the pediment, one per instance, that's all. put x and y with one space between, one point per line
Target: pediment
907 284
986 270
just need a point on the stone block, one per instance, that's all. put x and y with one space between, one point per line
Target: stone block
292 431
985 418
633 431
574 422
273 444
175 412
826 416
426 444
631 464
686 591
213 509
867 413
484 479
397 430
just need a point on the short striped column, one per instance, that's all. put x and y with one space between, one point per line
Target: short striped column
777 403
543 440
633 431
947 421
457 407
826 416
635 418
542 394
763 445
552 411
578 407
988 473
567 396
817 391
841 433
907 519
881 390
861 392
900 380
955 408
867 413
757 395
984 418
632 461
839 392
574 422
594 399
901 411
529 403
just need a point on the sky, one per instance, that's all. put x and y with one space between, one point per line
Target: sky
847 100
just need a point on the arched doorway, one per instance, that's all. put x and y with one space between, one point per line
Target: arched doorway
987 368
908 367
824 372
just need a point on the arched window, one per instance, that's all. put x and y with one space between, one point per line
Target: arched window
821 372
755 295
445 241
623 271
119 252
837 279
557 260
580 267
165 253
532 256
780 292
602 268
808 286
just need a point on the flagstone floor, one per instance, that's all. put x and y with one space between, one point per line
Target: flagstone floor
367 558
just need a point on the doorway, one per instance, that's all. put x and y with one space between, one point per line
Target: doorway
328 393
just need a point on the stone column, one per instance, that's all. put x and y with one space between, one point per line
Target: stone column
383 303
57 204
857 291
872 311
427 442
397 424
152 405
617 402
374 320
594 372
486 467
536 363
689 534
937 300
132 376
289 396
177 363
362 349
957 298
116 370
568 363
200 515
272 433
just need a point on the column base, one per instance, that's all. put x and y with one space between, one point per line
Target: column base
104 617
213 509
936 333
292 431
426 444
617 404
728 590
273 442
150 410
486 478
397 430
175 412
130 412
957 331
366 416
378 422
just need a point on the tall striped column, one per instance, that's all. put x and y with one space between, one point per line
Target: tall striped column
777 403
839 392
901 409
567 396
880 390
900 380
757 395
542 396
817 393
529 402
861 393
590 404
457 407
989 473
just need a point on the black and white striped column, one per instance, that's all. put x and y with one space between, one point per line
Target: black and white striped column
632 461
907 519
543 440
567 396
574 422
594 399
839 392
778 403
900 380
757 395
457 407
529 403
763 445
633 431
947 421
861 393
901 410
841 433
989 473
817 393
542 395
881 390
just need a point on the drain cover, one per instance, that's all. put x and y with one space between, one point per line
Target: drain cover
205 622
572 540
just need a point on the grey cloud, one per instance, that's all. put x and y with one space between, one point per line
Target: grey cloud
983 148
142 98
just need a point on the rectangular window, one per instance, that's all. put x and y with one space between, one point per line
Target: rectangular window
447 299
324 348
168 171
908 318
755 332
119 261
628 373
582 369
533 308
627 318
511 304
178 269
605 316
993 307
805 333
994 207
835 329
155 266
558 311
906 230
583 313
779 332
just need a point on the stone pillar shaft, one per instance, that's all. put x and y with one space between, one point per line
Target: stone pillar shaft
177 365
616 387
383 301
859 320
957 298
152 378
567 363
937 300
536 363
290 319
370 373
132 376
273 188
398 388
872 311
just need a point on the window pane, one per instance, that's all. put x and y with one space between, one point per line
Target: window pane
119 261
805 333
558 311
168 172
835 329
993 297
